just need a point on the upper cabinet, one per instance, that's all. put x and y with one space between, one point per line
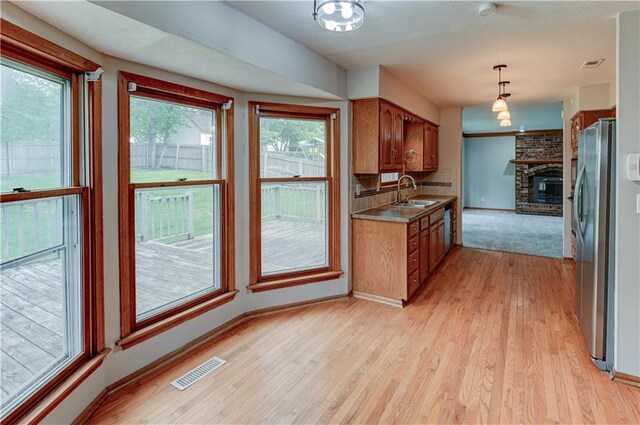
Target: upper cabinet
584 119
386 138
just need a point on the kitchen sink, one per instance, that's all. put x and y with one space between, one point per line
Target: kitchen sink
416 203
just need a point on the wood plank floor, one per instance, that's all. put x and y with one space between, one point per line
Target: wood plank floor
491 338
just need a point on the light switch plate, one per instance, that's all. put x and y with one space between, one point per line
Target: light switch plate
638 203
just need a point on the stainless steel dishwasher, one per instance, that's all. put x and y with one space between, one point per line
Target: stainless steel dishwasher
447 228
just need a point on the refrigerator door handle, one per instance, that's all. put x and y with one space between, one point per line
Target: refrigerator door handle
579 202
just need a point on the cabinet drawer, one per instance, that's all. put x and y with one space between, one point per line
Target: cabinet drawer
414 242
436 215
413 262
424 223
414 228
413 282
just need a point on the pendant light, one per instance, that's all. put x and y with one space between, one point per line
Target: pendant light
505 123
339 16
499 105
504 115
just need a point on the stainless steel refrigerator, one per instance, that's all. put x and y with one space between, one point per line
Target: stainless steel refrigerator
593 222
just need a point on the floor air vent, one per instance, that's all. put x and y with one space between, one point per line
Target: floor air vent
193 376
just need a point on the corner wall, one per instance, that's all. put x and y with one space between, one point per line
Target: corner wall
627 324
489 177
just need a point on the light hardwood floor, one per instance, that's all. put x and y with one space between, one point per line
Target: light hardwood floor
492 338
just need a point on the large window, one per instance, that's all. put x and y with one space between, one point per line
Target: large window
294 195
174 186
48 275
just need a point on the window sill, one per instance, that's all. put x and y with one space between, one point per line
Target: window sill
294 281
161 326
51 401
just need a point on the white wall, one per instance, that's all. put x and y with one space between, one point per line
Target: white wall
397 91
627 193
450 155
123 362
489 177
376 81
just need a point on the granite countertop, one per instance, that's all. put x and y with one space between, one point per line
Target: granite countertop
392 212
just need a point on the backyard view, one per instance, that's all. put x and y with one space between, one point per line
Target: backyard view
40 288
294 214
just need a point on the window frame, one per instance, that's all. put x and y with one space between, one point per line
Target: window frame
259 281
133 331
85 106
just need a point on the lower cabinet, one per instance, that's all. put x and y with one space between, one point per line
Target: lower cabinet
391 260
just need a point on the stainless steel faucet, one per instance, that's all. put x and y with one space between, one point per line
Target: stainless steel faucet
399 193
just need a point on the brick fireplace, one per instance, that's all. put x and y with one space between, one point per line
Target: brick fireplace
538 162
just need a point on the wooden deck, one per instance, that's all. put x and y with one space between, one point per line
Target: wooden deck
31 296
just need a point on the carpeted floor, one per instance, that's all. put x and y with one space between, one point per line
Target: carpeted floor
511 232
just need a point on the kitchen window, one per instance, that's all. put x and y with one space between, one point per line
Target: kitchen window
176 209
294 193
50 212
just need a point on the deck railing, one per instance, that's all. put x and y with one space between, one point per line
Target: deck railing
30 226
164 217
298 203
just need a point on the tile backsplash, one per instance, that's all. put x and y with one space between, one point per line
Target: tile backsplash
365 193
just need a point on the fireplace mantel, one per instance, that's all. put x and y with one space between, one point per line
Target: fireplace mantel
536 161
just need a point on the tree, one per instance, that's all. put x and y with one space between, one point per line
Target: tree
285 135
154 122
30 107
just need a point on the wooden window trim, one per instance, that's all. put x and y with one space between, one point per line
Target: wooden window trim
260 283
132 331
175 319
20 45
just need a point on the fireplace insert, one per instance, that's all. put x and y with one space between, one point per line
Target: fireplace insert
547 189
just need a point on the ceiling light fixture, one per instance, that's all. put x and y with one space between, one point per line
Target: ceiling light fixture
500 105
505 123
504 115
487 9
339 16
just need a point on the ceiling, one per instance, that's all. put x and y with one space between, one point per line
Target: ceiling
446 51
543 116
119 36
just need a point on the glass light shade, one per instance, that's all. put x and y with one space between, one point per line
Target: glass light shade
499 105
504 115
340 16
505 123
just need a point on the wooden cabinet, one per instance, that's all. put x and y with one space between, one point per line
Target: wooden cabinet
391 260
582 120
436 238
424 254
378 128
430 161
387 138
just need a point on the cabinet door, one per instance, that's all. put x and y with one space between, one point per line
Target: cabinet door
433 247
398 140
427 147
440 236
431 148
435 136
424 255
386 137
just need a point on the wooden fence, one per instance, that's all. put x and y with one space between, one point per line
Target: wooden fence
29 157
179 157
